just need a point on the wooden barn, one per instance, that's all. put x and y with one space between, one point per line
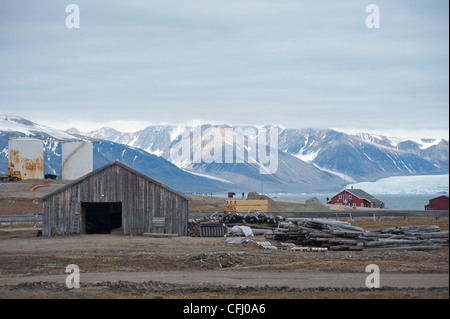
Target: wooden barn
355 198
438 203
115 197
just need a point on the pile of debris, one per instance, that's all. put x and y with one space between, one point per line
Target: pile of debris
222 259
339 235
318 234
259 220
244 240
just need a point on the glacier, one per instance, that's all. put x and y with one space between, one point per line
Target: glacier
416 184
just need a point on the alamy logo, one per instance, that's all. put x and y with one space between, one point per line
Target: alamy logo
73 280
373 19
73 19
373 280
226 145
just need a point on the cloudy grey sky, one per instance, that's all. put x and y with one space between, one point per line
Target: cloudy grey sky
288 62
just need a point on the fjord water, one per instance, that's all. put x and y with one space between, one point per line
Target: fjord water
392 201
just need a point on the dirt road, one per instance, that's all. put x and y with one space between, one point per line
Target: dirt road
296 279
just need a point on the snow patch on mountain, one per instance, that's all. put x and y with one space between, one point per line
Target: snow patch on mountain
428 142
18 124
341 175
209 176
176 132
307 157
424 143
375 139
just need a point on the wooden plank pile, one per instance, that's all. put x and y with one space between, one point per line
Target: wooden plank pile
339 235
193 228
248 218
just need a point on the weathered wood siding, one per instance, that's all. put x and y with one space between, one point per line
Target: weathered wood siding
146 206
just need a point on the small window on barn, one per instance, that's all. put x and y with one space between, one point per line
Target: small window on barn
340 196
349 196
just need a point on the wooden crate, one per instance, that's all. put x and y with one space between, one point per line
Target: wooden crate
244 205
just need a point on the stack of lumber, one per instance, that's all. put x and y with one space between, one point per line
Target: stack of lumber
193 228
248 218
339 235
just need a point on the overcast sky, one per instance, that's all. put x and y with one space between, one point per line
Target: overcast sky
294 63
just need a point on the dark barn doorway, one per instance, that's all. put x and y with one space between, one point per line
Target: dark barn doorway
101 218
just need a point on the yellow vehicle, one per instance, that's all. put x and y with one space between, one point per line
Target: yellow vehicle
13 176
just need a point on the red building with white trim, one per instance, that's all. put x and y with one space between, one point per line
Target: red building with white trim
355 198
438 203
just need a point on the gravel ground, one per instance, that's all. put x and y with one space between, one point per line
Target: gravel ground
27 264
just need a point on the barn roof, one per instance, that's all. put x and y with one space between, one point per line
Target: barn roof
151 180
363 195
439 197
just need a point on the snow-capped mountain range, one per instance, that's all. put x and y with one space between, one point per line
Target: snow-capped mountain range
308 160
357 157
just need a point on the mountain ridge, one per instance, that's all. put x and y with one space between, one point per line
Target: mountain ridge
331 150
309 160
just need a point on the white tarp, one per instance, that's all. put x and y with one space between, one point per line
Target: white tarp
242 230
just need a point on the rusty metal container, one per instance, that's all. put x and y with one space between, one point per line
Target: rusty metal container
77 160
27 156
